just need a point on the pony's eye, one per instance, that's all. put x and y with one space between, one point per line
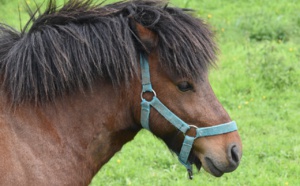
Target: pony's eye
184 86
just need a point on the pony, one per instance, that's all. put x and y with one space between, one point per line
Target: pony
81 80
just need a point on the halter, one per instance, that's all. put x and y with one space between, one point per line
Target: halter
175 120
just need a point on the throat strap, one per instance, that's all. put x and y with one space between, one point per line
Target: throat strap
188 142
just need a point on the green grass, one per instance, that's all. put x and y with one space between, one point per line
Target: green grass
257 81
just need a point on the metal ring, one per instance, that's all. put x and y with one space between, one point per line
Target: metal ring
194 126
150 91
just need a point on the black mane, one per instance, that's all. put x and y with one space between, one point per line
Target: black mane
66 49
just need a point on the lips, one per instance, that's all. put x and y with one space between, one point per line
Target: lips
212 168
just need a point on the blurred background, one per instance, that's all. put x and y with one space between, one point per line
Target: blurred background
256 80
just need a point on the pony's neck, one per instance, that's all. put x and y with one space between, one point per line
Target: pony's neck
77 134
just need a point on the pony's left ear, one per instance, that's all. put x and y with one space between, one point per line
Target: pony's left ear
145 37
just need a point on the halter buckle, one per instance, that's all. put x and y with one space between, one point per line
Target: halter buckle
190 174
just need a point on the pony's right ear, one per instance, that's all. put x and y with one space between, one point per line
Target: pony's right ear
144 36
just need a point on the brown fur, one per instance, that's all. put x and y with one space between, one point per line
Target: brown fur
67 139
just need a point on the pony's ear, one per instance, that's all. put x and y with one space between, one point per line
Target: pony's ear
145 37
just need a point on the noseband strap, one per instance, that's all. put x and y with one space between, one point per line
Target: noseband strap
175 120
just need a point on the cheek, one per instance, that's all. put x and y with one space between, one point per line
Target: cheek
187 106
159 125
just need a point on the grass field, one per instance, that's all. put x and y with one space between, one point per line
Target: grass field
257 81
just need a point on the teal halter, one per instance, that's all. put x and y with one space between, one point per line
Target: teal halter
175 120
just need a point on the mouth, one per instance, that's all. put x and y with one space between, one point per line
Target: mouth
194 159
212 168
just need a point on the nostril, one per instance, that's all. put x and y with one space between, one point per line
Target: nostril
233 154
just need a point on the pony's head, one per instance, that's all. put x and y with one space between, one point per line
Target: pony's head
180 49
